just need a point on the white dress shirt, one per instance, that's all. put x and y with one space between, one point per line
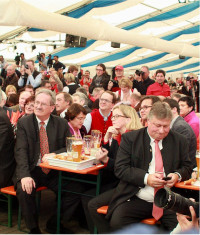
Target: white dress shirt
147 193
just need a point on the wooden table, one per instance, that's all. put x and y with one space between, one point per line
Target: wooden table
182 185
94 170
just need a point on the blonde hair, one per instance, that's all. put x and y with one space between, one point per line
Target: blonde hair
9 87
130 112
69 77
126 82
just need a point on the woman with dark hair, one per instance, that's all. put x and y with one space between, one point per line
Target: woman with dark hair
187 107
75 116
29 105
101 78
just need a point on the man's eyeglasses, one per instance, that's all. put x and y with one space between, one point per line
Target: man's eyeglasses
37 103
117 116
105 100
145 107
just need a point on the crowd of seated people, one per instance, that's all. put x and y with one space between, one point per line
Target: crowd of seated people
137 116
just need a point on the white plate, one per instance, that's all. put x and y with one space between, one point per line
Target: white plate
70 164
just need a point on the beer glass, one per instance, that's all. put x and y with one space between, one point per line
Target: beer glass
87 144
96 136
69 141
77 145
197 183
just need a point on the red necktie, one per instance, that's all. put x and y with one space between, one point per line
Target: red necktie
44 145
157 212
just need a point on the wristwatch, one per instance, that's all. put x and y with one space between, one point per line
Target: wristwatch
179 176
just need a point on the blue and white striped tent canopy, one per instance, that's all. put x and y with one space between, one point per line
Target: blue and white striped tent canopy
150 32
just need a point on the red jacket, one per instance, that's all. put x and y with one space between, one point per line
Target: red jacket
157 89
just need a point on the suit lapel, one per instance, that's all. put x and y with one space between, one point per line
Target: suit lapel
166 155
147 150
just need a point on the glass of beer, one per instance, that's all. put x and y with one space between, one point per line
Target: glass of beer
96 136
198 160
197 183
77 145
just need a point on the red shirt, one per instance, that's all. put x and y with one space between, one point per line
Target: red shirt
158 89
83 83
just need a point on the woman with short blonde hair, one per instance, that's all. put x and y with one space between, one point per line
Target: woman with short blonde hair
126 90
10 89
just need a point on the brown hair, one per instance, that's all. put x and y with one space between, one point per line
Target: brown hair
112 94
29 99
73 111
72 68
160 110
67 97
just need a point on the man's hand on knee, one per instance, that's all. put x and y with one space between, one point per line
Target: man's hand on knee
27 184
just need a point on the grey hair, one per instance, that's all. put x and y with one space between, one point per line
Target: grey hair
161 111
47 92
81 96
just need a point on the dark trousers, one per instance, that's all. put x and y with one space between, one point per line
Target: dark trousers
99 220
86 200
129 212
27 202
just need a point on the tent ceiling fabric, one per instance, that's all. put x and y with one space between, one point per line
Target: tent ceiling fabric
151 32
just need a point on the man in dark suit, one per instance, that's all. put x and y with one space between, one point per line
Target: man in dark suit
136 167
29 153
7 161
179 125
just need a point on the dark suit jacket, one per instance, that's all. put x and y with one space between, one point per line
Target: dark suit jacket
7 161
134 156
27 149
183 128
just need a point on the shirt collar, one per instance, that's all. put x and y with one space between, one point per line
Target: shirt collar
62 115
39 121
104 117
173 121
152 141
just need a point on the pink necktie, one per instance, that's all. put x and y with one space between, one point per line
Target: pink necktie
157 212
44 145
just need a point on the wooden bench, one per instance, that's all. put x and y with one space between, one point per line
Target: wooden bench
9 192
150 221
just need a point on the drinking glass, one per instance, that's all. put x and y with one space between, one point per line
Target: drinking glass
69 141
96 136
197 183
87 144
77 145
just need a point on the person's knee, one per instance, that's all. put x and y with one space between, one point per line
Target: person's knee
92 205
115 223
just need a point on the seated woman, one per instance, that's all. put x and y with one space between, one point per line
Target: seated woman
187 107
29 105
125 90
70 82
56 84
10 89
124 118
75 116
